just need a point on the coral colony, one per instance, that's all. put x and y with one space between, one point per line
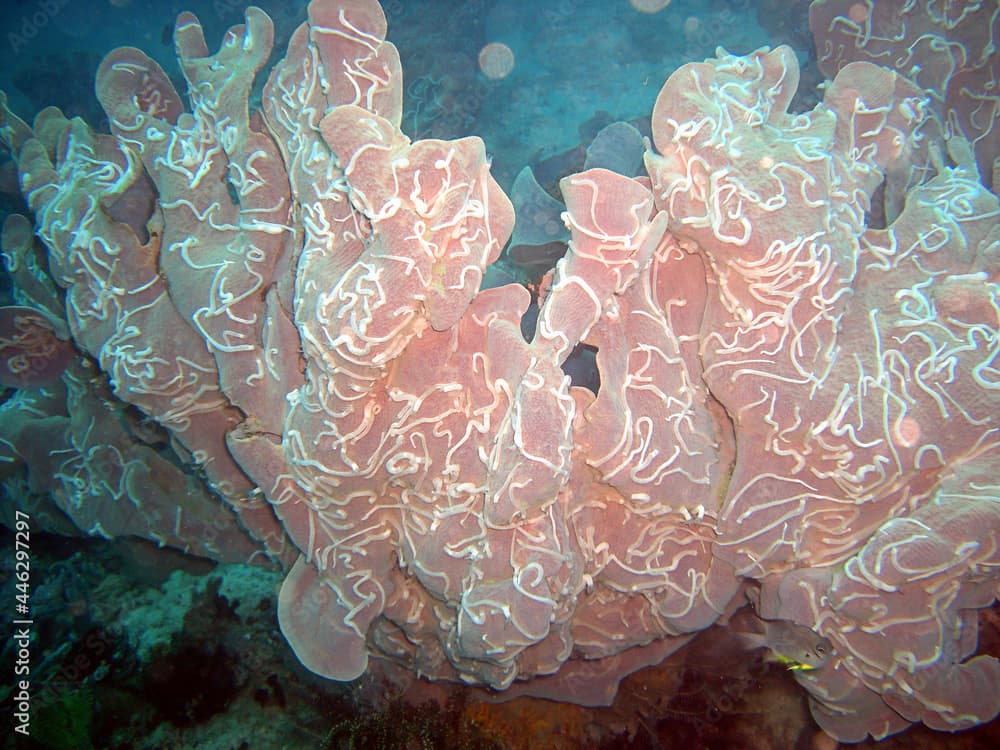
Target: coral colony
795 319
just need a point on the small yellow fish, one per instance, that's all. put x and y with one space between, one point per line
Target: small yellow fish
794 645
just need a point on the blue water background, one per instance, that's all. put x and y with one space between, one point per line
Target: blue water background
578 65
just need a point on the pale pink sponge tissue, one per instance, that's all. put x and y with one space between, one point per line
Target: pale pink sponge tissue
797 326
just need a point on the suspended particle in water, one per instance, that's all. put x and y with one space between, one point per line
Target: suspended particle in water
496 60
